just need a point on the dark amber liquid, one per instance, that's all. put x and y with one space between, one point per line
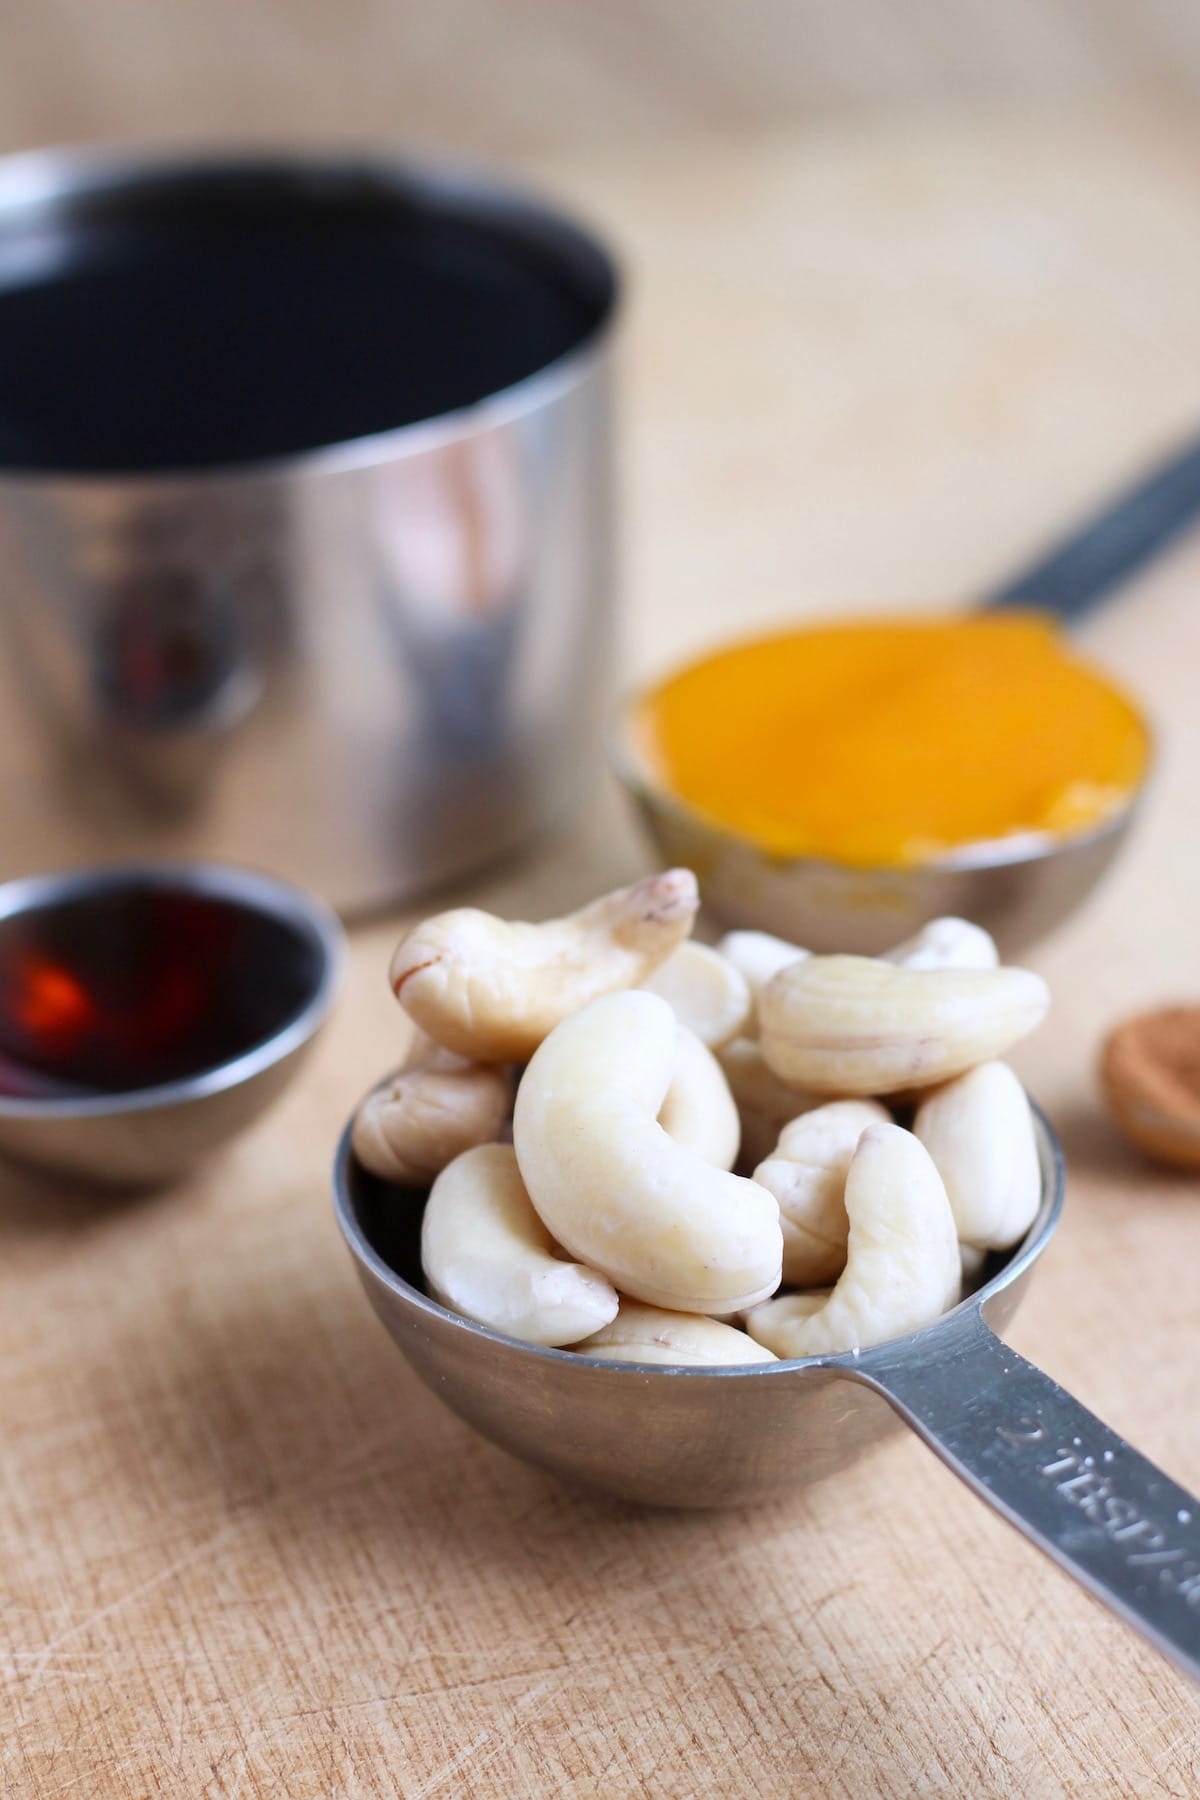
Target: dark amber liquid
142 987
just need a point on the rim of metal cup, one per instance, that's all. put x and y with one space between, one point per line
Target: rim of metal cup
47 182
631 771
1050 1157
246 889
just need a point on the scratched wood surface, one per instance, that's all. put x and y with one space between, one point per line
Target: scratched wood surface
242 1551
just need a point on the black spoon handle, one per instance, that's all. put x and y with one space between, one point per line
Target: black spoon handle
1127 532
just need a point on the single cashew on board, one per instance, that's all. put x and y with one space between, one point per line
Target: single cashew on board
493 989
979 1131
706 993
807 1175
487 1255
851 1025
902 1263
946 944
615 1189
648 1334
699 1112
408 1130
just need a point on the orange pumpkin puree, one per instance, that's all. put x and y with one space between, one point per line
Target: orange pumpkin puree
894 741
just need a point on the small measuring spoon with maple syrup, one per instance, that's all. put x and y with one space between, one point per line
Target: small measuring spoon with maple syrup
149 1013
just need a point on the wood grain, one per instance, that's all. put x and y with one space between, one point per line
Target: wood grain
536 75
242 1552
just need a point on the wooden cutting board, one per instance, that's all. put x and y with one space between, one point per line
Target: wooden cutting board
242 1552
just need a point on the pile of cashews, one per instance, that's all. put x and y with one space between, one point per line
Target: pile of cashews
630 1139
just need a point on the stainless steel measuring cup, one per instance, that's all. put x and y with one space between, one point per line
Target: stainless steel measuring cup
304 491
150 1012
728 1437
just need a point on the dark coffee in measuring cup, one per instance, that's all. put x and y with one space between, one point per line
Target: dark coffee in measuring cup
231 317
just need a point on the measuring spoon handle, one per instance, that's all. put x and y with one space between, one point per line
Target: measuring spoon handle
1051 1468
1133 527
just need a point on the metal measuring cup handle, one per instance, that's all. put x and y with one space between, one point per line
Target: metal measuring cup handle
1104 1512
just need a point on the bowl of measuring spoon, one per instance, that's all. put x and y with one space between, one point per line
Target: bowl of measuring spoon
149 1013
841 784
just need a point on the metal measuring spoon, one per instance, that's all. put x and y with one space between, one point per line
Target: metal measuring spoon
728 1437
1018 888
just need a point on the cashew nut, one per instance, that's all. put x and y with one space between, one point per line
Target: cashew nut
979 1131
408 1130
647 1334
434 1108
859 1025
615 1189
487 1255
492 990
902 1263
707 993
699 1111
764 1102
946 944
425 1053
807 1175
759 956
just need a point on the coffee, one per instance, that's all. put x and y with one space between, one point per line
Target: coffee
226 321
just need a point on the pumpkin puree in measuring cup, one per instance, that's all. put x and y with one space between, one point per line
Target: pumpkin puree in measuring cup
894 742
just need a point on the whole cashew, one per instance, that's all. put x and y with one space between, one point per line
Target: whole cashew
699 1110
647 1334
434 1108
902 1264
487 1255
759 956
707 994
859 1025
492 990
947 943
807 1175
615 1189
408 1130
979 1131
764 1101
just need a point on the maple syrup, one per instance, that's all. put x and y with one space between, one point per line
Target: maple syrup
136 987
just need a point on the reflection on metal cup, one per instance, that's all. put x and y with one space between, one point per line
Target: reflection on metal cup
368 661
